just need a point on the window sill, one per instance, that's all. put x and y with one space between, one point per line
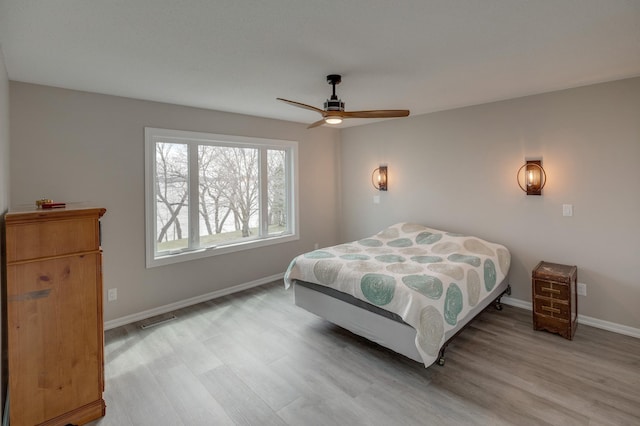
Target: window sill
186 256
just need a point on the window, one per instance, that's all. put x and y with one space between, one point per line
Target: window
211 194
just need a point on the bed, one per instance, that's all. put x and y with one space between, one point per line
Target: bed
409 288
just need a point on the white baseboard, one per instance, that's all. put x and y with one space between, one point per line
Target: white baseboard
582 319
518 303
187 302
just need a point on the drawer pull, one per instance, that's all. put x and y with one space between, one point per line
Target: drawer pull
550 290
550 309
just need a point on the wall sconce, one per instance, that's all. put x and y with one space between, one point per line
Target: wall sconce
379 178
531 177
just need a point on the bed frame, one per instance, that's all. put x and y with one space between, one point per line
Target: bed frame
377 325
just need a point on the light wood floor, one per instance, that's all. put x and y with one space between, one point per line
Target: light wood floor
254 358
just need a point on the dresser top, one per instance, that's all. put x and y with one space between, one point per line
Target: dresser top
29 213
555 271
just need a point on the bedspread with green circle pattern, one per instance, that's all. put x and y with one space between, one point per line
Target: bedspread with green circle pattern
431 278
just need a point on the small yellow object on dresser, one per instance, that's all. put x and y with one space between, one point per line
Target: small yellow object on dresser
555 301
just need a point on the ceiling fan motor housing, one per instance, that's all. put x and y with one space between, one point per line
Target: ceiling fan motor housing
334 104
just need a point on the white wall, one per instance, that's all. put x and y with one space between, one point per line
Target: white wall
77 146
4 203
456 170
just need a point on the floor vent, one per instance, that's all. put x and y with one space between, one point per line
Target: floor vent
157 320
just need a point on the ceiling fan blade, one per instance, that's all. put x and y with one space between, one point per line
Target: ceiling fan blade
316 124
301 105
377 113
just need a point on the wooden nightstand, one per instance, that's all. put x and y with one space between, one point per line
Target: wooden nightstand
555 301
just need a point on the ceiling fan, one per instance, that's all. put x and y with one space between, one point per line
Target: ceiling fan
334 113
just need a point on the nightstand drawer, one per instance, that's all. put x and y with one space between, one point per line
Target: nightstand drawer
552 308
553 290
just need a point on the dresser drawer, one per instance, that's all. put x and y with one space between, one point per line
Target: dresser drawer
552 308
550 289
41 234
53 238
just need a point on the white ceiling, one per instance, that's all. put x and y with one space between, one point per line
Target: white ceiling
239 55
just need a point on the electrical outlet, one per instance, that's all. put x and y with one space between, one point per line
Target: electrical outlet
112 294
582 289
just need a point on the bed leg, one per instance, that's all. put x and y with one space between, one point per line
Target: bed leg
497 303
440 359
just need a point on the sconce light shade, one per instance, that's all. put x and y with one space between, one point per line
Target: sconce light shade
379 178
532 177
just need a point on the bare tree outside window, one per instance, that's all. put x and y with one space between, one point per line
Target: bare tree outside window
229 191
172 180
242 171
277 196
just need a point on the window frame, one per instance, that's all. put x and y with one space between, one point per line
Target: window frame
193 140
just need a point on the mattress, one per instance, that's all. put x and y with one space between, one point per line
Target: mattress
433 280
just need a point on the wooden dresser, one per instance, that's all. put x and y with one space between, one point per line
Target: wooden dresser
54 316
555 301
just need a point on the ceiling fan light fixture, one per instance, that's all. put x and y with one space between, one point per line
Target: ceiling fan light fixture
333 120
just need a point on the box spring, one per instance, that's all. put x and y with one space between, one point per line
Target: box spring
372 322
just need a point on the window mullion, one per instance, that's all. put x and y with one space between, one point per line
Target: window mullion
194 197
